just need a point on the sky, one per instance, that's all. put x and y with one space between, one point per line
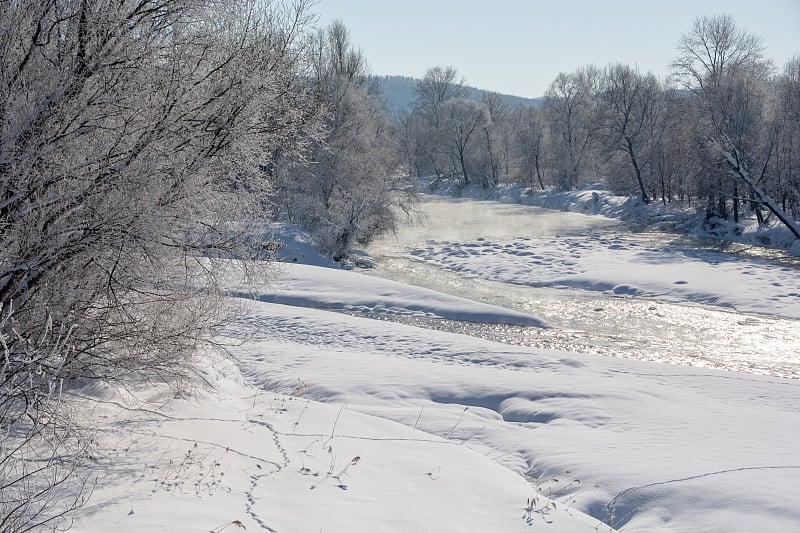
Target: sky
519 46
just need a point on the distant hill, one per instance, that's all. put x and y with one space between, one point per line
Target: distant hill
398 92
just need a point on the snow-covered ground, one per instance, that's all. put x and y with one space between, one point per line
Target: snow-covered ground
467 432
309 286
646 447
238 458
627 267
323 421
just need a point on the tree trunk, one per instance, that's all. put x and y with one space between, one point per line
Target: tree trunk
463 165
538 171
492 163
737 172
636 169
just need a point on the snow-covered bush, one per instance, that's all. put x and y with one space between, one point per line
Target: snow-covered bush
40 446
134 139
348 191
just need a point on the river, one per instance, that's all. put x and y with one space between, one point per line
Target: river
588 321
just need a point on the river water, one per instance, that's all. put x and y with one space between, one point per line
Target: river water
586 321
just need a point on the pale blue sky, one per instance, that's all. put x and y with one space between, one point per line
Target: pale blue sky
519 46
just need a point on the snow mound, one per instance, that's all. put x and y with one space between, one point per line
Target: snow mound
323 288
297 246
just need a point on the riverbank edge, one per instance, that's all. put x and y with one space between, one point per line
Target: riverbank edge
594 199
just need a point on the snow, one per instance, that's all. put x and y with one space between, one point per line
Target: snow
296 246
627 267
237 458
309 286
321 420
675 448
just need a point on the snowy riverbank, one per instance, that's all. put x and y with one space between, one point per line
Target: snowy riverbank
594 199
325 421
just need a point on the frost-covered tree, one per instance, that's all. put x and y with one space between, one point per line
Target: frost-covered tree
411 132
530 143
571 106
438 85
348 191
673 149
713 49
724 68
133 140
496 139
461 122
786 162
632 110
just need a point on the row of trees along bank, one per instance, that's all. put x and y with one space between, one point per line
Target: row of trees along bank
723 131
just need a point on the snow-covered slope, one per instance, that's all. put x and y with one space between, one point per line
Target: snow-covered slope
238 458
322 421
340 290
646 446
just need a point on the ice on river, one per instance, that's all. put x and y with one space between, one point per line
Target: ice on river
626 266
649 296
